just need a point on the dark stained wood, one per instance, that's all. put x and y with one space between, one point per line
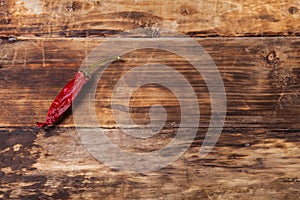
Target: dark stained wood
42 45
261 81
246 163
83 18
257 154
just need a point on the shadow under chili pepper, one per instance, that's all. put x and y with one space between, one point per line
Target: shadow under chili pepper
87 90
50 130
69 93
47 131
68 113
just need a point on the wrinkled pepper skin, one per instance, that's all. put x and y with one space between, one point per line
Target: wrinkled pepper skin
64 99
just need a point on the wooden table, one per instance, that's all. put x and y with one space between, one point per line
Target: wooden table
255 46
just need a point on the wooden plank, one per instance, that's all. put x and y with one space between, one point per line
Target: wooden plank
80 18
43 43
246 163
261 78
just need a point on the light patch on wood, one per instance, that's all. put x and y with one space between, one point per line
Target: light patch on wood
78 158
17 147
70 167
6 170
32 6
5 150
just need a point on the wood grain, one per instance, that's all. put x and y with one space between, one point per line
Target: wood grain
261 81
43 44
82 18
257 154
246 163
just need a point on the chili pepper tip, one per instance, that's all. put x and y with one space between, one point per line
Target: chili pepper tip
41 124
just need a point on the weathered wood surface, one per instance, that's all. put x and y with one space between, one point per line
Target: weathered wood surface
64 18
257 155
261 80
43 43
245 164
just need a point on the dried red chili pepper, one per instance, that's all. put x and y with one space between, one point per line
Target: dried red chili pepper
67 95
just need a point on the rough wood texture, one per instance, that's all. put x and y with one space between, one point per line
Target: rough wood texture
199 18
261 80
42 45
246 163
256 156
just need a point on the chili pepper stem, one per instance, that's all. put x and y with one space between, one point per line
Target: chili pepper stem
89 68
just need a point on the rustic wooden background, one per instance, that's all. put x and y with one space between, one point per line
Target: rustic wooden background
255 45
